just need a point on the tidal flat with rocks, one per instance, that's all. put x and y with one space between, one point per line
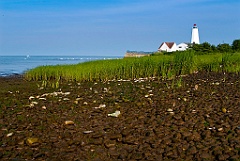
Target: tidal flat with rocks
192 117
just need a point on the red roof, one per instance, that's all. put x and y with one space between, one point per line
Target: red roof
169 44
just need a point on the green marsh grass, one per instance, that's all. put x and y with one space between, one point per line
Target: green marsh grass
164 66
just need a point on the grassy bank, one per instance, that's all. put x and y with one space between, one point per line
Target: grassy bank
165 66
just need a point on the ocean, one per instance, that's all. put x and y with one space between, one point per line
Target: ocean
14 65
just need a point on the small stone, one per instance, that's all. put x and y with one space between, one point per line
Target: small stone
69 122
66 99
32 141
100 106
169 110
31 97
224 110
196 87
44 107
10 134
184 99
115 114
87 132
76 102
220 129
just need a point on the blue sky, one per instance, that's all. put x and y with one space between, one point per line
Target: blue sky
110 27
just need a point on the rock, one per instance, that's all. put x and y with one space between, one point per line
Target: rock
87 132
115 114
32 141
44 107
224 110
169 110
196 87
100 106
10 134
69 122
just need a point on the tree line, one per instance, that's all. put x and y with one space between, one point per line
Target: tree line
222 48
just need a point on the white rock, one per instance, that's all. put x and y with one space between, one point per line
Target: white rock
115 114
100 106
42 98
87 132
66 99
10 134
169 110
31 97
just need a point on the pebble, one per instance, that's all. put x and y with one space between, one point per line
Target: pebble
10 134
31 97
87 132
115 114
32 141
169 110
69 122
224 110
196 87
100 106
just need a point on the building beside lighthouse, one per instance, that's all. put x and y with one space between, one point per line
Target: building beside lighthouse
195 35
172 46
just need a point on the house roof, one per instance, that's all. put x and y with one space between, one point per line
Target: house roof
169 44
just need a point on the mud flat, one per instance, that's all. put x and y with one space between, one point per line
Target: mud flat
196 117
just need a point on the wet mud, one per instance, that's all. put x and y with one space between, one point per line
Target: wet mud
195 117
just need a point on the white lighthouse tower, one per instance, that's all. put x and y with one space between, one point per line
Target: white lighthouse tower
195 35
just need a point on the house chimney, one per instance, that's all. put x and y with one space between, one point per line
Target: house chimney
195 35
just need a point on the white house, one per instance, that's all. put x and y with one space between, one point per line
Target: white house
172 46
182 47
168 47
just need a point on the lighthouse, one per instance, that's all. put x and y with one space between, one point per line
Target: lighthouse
195 35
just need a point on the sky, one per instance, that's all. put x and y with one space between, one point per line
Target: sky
111 27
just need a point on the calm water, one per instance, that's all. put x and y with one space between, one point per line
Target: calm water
11 65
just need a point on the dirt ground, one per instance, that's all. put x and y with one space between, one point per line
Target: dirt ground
196 117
